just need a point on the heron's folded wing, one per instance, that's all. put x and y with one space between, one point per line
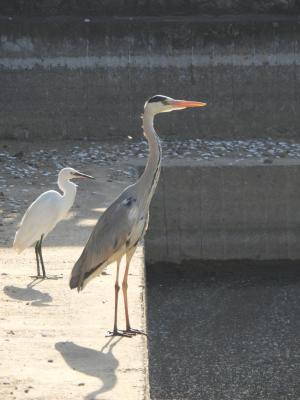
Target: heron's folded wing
111 232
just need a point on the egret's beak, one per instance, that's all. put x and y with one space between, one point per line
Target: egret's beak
81 175
185 103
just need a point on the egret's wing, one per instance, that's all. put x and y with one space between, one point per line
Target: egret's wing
111 232
40 217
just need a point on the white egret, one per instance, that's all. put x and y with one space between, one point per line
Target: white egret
124 223
44 213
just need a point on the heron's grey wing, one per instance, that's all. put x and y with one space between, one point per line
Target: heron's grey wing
111 232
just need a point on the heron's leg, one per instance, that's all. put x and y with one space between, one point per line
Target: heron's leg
117 288
116 331
37 259
41 256
129 255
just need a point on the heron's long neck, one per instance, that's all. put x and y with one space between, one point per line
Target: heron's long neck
149 179
69 190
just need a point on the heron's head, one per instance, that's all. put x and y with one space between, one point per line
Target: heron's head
71 173
159 104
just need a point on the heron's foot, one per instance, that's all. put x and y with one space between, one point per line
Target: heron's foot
37 277
133 331
119 332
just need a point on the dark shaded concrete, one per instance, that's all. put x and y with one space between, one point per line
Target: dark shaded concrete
224 331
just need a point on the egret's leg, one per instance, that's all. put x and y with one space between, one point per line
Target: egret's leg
129 255
37 260
41 257
116 331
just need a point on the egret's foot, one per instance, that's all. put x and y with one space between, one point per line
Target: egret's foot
53 277
133 331
119 332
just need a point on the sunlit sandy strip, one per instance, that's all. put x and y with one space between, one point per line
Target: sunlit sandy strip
87 222
100 209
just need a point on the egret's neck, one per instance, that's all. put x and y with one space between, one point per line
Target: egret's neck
149 178
69 192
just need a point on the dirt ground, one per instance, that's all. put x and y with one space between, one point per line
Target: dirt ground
53 343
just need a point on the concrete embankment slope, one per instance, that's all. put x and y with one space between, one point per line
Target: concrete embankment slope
69 76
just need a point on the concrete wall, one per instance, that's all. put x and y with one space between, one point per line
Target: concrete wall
225 210
62 77
145 7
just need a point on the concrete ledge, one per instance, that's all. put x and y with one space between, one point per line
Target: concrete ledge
225 209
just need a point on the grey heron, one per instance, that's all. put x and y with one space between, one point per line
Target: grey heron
44 213
125 221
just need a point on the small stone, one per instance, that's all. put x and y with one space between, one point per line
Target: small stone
268 161
50 361
20 154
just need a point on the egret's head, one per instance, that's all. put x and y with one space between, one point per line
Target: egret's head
71 173
159 104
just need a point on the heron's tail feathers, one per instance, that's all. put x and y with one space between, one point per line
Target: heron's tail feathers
74 282
84 270
78 272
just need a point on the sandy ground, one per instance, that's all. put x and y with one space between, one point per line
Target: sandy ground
53 343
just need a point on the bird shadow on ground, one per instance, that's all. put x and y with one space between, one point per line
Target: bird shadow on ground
38 298
92 362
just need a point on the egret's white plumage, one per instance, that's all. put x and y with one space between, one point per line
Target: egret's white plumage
47 210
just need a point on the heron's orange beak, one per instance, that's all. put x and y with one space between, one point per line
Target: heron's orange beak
186 103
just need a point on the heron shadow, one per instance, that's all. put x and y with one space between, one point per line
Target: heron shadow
96 363
38 298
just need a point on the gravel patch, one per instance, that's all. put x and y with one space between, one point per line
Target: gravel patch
39 163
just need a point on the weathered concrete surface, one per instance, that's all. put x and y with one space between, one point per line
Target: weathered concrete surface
225 209
52 339
224 331
64 77
144 7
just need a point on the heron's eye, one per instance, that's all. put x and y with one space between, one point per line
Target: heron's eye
157 98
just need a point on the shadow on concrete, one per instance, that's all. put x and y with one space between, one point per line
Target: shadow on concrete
38 298
100 364
224 331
